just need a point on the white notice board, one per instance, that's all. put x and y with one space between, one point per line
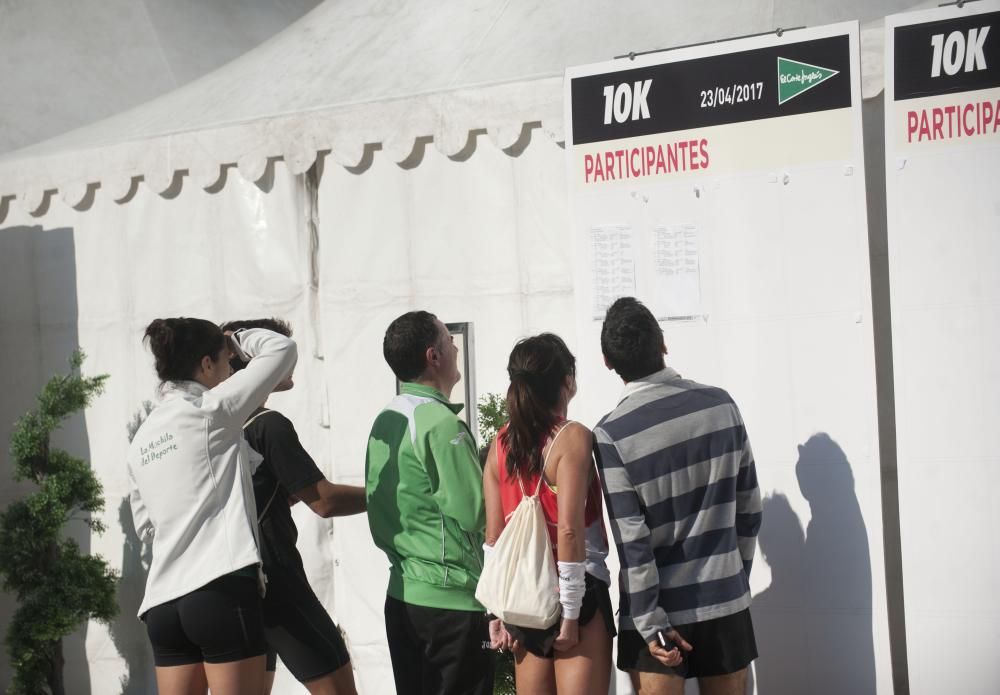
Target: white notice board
942 130
724 186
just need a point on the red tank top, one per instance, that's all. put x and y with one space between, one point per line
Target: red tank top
510 495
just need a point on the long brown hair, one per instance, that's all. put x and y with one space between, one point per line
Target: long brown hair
538 367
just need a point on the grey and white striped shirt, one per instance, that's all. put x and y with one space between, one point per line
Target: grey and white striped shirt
682 496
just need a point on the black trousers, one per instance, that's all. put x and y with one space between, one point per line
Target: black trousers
298 628
436 651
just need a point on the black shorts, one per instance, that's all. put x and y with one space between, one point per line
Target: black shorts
298 628
596 600
436 651
720 646
218 623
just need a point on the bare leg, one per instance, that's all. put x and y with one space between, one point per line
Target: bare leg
244 677
656 683
340 682
533 674
586 668
181 680
729 684
268 682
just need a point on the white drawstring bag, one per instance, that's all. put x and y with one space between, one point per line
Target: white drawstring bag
519 583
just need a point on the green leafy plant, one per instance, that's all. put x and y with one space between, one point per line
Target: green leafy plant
492 409
56 585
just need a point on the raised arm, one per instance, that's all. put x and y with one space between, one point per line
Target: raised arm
271 357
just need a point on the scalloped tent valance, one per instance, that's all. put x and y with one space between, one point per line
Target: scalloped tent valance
397 129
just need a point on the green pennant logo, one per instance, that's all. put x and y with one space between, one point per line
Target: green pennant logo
795 77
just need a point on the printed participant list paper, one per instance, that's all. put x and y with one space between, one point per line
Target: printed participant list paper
612 265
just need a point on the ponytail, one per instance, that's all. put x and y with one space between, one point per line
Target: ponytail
538 368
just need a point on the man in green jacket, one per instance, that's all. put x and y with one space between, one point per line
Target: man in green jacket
424 489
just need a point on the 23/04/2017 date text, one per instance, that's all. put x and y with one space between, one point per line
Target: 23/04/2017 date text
732 94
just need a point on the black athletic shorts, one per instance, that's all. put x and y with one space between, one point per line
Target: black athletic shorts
218 623
719 646
596 600
298 628
436 651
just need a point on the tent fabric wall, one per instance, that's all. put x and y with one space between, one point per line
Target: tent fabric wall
241 252
483 240
206 158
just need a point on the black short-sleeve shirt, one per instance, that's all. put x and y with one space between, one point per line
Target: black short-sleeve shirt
286 469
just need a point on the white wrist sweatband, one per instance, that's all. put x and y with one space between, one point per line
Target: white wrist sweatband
572 587
487 552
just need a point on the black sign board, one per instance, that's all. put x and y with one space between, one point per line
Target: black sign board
948 56
771 82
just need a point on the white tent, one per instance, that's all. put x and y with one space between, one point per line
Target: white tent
387 73
100 57
373 158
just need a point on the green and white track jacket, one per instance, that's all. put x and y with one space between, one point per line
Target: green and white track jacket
424 488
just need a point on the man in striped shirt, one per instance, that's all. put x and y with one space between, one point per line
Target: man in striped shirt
682 495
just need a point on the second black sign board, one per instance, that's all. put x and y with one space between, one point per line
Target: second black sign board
948 56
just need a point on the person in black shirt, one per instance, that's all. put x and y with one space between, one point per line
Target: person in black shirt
297 627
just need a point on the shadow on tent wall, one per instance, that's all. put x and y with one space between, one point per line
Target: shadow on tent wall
127 632
814 622
38 332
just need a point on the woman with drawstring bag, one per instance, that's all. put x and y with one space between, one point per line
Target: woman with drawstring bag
540 472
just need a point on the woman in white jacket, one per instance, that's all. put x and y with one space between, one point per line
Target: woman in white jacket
192 498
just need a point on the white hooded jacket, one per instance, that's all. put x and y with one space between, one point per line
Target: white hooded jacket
189 473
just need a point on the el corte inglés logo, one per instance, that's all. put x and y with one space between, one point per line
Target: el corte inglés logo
795 77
